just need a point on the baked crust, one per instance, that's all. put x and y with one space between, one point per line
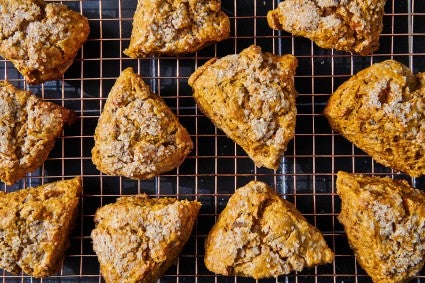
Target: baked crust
251 97
137 238
35 224
382 111
385 224
137 135
28 129
40 39
176 27
348 25
261 235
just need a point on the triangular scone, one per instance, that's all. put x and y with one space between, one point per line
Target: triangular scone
176 27
137 135
137 238
382 111
28 129
385 224
35 224
251 97
40 39
348 25
261 235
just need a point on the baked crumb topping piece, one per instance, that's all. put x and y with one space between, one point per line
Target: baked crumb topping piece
382 111
35 224
251 97
347 25
385 224
174 27
137 135
261 235
40 39
138 238
28 129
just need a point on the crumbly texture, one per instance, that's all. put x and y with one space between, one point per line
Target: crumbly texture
28 129
137 135
385 224
40 39
382 111
251 97
35 224
261 235
138 238
348 25
174 27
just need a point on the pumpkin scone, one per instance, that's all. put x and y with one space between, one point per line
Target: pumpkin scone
382 111
35 224
41 39
137 135
251 97
176 27
261 235
385 224
138 238
347 25
28 129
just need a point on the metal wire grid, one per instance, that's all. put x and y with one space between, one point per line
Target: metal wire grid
216 166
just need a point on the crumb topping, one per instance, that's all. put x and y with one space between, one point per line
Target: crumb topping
28 129
138 237
34 226
41 40
304 15
176 27
138 136
385 224
251 97
264 236
349 25
382 111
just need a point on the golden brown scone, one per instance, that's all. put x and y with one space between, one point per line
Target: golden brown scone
251 97
35 224
40 39
176 27
28 129
137 135
382 111
137 238
385 224
348 25
261 235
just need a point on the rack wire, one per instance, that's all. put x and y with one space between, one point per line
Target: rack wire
217 166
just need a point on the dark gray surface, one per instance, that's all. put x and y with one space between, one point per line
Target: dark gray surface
216 166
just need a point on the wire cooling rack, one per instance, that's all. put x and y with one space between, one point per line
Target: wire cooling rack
216 166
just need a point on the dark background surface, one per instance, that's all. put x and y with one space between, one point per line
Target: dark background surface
216 166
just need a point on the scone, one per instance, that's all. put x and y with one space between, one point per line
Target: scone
40 39
385 224
137 135
261 235
28 129
176 27
137 238
348 25
382 111
251 97
35 224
